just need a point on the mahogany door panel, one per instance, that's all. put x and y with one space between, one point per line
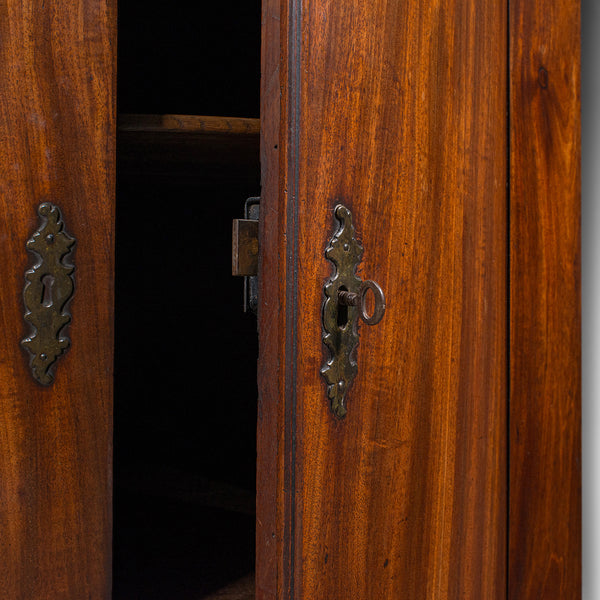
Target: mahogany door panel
397 110
57 145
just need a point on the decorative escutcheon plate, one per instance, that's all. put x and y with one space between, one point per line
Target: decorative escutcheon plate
48 289
345 303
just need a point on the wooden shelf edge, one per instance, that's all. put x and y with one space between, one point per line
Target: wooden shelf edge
196 148
196 124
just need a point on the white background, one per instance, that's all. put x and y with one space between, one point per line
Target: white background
590 238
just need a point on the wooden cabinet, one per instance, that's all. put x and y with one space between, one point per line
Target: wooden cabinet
451 133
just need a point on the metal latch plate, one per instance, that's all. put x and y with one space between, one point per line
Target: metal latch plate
244 256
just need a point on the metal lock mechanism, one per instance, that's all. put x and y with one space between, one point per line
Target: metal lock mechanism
244 252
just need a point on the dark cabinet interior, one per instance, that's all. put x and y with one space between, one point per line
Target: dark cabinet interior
185 352
188 57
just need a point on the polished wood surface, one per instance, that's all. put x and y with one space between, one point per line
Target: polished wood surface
545 328
270 528
398 110
57 134
143 123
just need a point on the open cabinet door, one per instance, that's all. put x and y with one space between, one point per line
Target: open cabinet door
396 110
406 114
57 140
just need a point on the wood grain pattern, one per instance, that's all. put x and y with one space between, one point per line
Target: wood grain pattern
270 528
57 133
545 329
187 124
398 110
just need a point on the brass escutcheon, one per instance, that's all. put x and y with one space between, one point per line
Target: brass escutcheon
345 303
48 289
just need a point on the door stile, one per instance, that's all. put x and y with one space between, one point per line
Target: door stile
57 140
273 504
277 468
545 299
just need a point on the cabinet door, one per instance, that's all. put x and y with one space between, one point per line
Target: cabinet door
57 145
398 111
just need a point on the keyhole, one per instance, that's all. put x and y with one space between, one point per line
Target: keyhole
47 283
342 311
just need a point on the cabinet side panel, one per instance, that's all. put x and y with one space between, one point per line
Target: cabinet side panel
57 133
545 329
397 109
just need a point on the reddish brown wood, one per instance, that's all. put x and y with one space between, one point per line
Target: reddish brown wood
187 124
397 109
57 132
545 385
270 529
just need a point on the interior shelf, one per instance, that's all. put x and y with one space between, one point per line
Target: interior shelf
188 124
189 146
